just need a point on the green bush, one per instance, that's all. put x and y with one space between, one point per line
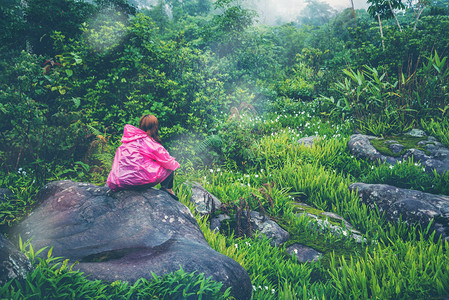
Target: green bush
54 278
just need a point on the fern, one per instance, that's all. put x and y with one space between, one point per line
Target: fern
211 143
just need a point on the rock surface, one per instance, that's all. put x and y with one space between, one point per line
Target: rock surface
304 253
328 222
360 145
414 206
205 203
126 235
13 263
5 194
267 227
435 158
308 141
215 222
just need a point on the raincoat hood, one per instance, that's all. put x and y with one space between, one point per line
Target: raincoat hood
132 133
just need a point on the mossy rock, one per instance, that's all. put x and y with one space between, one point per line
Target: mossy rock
408 142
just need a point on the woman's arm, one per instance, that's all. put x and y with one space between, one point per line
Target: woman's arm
163 157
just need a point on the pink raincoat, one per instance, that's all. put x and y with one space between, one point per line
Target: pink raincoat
139 160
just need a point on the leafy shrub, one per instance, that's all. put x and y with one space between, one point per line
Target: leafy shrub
55 278
38 122
440 130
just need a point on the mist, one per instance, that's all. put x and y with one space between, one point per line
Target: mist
273 12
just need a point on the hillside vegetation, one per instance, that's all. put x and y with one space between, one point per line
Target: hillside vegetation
233 96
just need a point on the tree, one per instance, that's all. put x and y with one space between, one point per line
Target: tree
43 17
13 26
226 29
353 12
316 13
384 9
417 9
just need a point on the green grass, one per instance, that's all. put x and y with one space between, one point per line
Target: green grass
394 261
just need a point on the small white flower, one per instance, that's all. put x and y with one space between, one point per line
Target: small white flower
266 288
391 167
218 170
211 170
372 167
254 288
236 246
272 291
256 176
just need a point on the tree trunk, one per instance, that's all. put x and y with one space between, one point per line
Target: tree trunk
381 32
353 13
418 14
394 15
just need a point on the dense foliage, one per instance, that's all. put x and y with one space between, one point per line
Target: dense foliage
232 97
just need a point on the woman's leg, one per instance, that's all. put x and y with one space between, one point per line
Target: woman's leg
167 184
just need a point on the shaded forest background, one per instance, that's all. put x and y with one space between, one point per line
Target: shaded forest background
73 73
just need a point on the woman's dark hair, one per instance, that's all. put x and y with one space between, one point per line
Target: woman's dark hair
149 124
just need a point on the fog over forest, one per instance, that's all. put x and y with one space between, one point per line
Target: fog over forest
281 11
273 12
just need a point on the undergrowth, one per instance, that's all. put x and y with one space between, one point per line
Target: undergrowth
390 261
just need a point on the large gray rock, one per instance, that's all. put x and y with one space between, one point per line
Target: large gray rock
205 203
323 221
303 253
308 141
270 229
360 145
435 158
126 235
414 206
13 263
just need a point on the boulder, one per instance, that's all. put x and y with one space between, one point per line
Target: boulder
435 157
268 228
205 203
360 145
303 253
126 235
327 222
414 207
416 133
308 141
13 263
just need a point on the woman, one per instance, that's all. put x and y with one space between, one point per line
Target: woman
141 160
